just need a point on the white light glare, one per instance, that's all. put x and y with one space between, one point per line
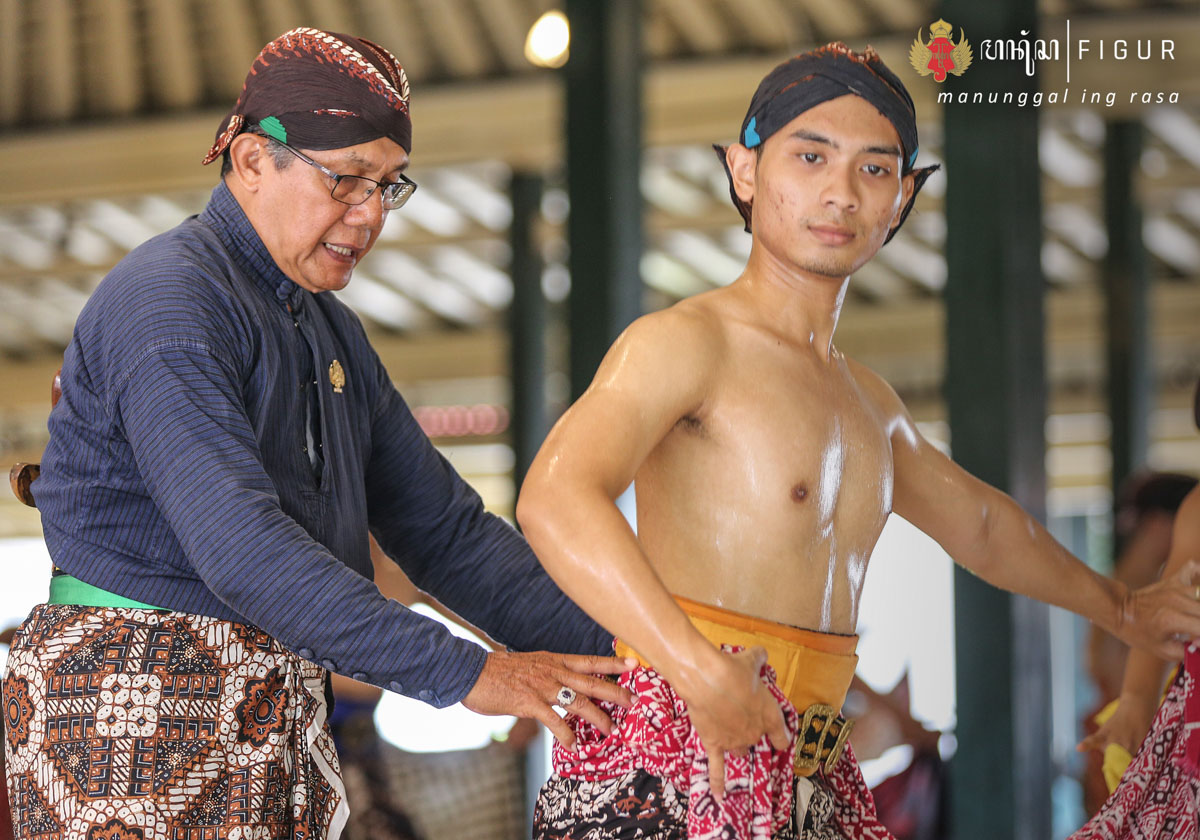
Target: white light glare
548 40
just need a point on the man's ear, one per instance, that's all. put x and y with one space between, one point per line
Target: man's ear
742 163
248 157
908 183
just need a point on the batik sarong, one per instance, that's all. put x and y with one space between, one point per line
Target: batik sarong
649 778
1159 794
132 724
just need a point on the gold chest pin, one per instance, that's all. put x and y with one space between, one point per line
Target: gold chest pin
337 376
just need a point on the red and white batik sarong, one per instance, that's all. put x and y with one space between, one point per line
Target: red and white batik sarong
1159 794
649 778
133 724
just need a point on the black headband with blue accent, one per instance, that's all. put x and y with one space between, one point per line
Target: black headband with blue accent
810 78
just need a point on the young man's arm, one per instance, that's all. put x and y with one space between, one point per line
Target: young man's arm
655 374
989 534
1144 672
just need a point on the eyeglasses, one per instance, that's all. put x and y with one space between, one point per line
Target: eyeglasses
355 189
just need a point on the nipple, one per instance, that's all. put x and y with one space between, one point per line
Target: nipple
799 493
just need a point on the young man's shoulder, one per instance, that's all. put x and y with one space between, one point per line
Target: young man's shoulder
882 395
691 325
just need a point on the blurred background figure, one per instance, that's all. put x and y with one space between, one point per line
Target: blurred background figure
912 803
1145 513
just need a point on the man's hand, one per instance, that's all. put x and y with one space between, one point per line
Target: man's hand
1127 726
526 685
1162 617
732 708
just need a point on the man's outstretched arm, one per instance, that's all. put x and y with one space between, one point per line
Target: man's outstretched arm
989 534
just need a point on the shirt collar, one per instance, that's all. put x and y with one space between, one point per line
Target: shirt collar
226 217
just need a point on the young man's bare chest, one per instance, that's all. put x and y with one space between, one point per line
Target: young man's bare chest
770 496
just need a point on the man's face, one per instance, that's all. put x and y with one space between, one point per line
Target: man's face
313 238
827 187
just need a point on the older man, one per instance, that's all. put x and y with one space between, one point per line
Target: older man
225 441
766 464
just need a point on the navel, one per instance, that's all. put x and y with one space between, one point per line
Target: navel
799 493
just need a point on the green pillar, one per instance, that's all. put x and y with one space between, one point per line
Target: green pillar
996 401
526 325
604 140
527 373
1126 294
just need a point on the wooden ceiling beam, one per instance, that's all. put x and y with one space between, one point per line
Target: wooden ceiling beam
900 15
687 103
279 16
659 36
111 74
230 46
837 19
507 24
52 72
455 39
770 23
699 23
332 16
11 55
172 57
397 29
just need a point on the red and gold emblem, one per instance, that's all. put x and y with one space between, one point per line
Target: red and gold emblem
941 55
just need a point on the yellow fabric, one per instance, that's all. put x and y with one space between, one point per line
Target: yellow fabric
810 667
1116 757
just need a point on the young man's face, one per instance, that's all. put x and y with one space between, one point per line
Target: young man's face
827 188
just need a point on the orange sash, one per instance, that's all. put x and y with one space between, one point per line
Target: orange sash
812 669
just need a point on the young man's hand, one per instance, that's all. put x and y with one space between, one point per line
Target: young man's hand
1127 727
732 709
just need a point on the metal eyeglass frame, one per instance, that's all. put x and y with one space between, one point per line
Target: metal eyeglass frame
394 204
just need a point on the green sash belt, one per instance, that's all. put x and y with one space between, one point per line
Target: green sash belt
65 589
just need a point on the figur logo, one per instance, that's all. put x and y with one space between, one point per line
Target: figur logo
941 55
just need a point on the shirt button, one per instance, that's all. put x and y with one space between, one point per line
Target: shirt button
361 676
305 653
426 695
396 686
328 664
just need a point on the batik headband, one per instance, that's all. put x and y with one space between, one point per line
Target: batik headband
810 78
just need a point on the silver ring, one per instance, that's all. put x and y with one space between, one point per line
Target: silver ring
565 697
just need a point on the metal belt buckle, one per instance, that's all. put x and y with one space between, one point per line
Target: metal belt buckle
822 738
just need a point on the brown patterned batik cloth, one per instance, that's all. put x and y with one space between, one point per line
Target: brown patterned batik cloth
131 724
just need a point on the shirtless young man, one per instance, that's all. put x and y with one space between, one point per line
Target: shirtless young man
766 463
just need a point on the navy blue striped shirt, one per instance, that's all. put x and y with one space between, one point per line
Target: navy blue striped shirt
181 472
